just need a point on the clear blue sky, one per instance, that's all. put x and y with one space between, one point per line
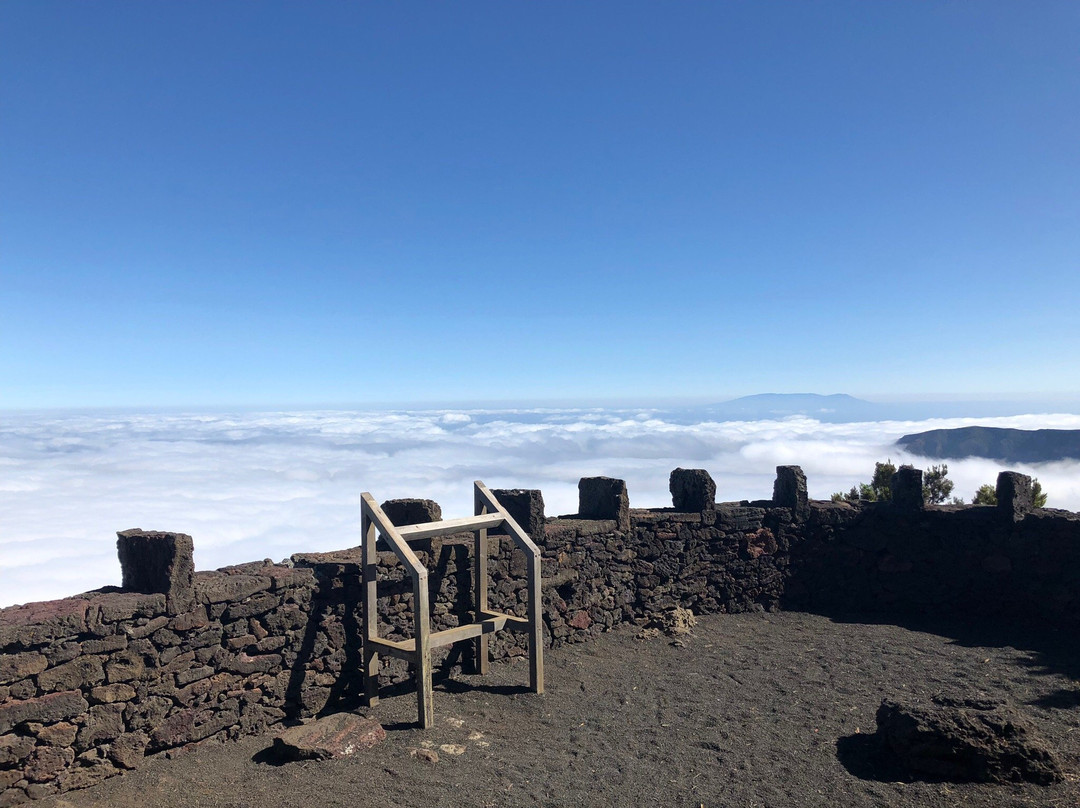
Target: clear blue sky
307 203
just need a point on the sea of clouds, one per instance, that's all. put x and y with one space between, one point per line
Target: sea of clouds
250 485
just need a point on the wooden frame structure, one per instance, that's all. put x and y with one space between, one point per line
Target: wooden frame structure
489 514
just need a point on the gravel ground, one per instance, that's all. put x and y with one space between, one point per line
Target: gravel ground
749 710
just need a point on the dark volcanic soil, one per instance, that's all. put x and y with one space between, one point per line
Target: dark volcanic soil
753 710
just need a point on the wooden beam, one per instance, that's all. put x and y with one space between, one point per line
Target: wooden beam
369 536
422 638
393 537
427 530
536 629
480 585
402 649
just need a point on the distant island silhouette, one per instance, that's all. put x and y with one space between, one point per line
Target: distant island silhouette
836 407
995 443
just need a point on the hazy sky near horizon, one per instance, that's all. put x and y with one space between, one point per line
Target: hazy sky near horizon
287 204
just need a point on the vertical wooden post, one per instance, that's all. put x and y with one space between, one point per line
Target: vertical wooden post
480 584
536 628
425 708
369 535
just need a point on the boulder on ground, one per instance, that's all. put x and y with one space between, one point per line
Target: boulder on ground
965 740
335 736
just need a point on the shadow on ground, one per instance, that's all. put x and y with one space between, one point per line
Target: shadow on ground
1051 651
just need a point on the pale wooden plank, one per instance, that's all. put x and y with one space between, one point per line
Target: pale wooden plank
393 538
536 629
446 527
368 535
424 696
510 621
402 649
481 663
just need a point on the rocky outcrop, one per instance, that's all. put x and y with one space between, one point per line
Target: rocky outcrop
965 740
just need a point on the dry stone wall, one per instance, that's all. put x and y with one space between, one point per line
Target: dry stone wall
90 685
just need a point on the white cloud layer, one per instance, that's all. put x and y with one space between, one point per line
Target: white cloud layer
264 485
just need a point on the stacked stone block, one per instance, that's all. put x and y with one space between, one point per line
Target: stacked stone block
789 491
907 489
604 498
692 490
1015 495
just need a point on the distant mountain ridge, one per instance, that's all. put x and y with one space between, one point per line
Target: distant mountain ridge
995 443
838 407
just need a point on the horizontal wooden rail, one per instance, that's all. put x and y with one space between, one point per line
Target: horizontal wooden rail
447 527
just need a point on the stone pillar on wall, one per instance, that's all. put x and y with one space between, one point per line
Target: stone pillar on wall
403 512
1015 495
604 498
907 493
692 490
152 561
526 506
789 491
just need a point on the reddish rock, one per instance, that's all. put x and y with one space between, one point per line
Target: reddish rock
581 620
62 734
190 620
334 736
175 730
107 694
760 542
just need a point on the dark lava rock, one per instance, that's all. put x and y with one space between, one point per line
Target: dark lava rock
604 498
403 512
334 736
526 506
907 489
965 740
789 491
692 490
153 561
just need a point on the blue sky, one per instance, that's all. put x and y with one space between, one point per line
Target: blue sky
328 203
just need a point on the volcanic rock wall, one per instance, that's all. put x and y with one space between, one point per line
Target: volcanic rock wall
89 685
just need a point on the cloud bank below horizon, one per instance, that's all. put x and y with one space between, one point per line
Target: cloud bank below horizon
265 485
